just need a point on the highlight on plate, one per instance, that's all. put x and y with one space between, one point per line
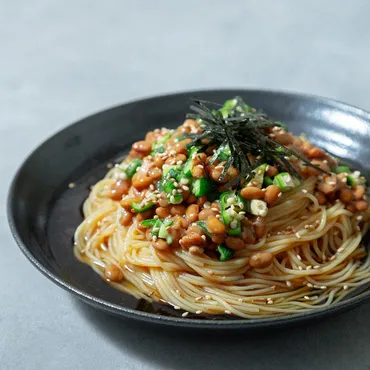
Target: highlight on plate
230 213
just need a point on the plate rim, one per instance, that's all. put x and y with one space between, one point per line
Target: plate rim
169 320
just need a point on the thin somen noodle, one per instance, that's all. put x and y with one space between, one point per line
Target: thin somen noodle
304 252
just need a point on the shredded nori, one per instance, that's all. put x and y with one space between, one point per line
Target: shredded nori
243 129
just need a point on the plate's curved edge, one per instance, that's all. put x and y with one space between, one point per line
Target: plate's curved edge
181 322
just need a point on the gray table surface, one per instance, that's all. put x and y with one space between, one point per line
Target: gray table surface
61 60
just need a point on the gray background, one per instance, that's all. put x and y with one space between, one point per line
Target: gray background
62 60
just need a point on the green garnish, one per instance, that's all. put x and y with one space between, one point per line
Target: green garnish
351 181
139 208
148 223
240 128
341 169
225 252
286 181
267 181
201 186
133 166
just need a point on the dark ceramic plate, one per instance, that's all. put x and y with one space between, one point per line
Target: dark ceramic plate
44 212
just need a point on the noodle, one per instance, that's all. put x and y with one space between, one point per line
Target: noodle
184 280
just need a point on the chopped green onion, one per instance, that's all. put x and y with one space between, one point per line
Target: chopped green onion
223 153
149 223
230 104
172 170
341 169
156 227
133 166
158 146
258 178
267 181
138 208
230 215
201 186
188 166
163 230
285 181
257 207
203 226
351 181
225 252
180 138
176 199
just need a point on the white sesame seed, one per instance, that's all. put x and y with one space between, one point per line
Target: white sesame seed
179 162
155 237
304 191
270 301
207 205
227 312
307 297
323 287
316 267
340 250
208 297
109 165
309 267
185 314
204 237
72 185
280 194
298 235
310 285
185 187
210 272
198 312
199 298
345 287
300 268
332 257
184 181
214 209
288 283
299 257
176 307
359 218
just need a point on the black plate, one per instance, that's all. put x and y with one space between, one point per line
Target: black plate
44 213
